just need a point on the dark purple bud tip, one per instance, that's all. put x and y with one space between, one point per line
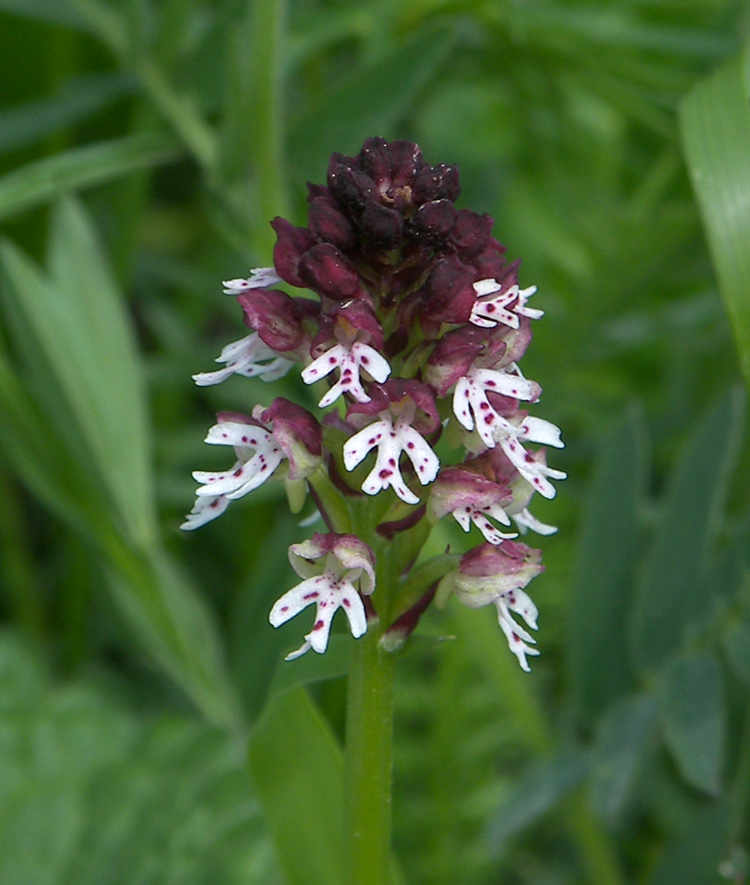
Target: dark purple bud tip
434 221
325 270
448 294
275 316
328 224
382 226
471 234
291 244
437 183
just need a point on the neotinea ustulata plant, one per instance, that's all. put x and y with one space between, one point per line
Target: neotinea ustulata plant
411 327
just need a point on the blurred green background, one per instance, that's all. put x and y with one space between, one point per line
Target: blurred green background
144 147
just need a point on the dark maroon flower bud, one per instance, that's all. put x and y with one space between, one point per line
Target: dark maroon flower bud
325 270
459 488
406 162
328 224
317 190
351 187
375 160
291 244
453 356
434 220
471 233
448 294
382 226
490 263
298 434
436 183
275 316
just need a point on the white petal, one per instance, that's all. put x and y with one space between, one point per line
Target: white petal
204 510
354 609
462 403
419 452
302 650
506 383
260 277
517 637
490 532
520 602
324 364
242 478
235 433
297 599
486 287
540 431
376 365
462 515
387 472
359 446
525 520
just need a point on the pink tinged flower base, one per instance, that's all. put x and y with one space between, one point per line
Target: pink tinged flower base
331 565
391 439
249 357
497 575
350 362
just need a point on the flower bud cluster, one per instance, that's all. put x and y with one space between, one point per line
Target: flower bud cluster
411 328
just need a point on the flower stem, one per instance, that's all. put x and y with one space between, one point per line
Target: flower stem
368 765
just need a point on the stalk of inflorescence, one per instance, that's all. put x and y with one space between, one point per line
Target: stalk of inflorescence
409 330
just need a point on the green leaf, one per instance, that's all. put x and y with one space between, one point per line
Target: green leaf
94 793
45 179
621 743
27 123
693 717
536 793
666 609
736 644
693 857
82 332
602 586
298 771
77 334
52 12
715 121
370 102
174 624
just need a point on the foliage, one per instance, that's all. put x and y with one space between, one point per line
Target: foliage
144 147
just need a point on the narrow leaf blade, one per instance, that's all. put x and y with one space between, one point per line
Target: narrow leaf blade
602 587
621 745
693 715
298 771
45 179
715 122
664 610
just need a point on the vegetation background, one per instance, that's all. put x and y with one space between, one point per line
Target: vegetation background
144 147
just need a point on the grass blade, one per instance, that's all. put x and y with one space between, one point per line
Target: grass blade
45 179
715 120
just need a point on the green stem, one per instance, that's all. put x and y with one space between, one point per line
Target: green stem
266 50
368 762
